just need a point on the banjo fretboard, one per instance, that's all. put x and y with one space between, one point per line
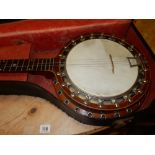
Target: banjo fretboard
22 65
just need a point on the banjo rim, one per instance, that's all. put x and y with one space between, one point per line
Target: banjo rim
120 107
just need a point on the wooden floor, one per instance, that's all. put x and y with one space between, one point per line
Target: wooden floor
32 115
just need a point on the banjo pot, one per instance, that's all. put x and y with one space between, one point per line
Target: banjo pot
101 77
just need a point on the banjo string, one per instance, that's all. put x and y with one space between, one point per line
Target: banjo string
88 62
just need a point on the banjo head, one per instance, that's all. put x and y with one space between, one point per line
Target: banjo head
101 77
100 68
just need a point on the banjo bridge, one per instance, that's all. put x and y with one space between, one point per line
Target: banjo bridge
111 63
133 62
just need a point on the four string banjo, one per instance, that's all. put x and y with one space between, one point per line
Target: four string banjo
97 77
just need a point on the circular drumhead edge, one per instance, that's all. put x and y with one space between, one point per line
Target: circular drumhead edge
100 67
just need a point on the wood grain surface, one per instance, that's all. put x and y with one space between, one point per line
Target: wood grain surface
25 115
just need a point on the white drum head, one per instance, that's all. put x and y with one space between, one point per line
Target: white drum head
100 67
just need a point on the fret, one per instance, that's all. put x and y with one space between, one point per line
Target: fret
1 65
34 64
17 65
8 66
30 63
52 64
39 65
33 61
27 67
11 65
6 61
22 65
42 62
45 63
49 67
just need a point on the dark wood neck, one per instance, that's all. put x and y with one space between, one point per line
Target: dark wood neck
24 65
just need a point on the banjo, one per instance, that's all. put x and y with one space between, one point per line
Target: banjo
97 77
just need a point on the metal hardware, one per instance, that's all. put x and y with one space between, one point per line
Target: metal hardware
85 102
112 38
68 83
78 92
66 48
129 99
91 36
145 69
59 92
100 100
130 61
62 74
144 81
62 56
55 82
100 105
63 84
90 115
116 114
58 73
82 38
134 90
125 97
76 109
139 91
102 116
113 100
128 110
73 94
66 101
140 81
131 48
116 105
73 42
139 54
88 97
122 42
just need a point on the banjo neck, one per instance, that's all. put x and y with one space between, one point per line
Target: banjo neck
40 64
25 65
